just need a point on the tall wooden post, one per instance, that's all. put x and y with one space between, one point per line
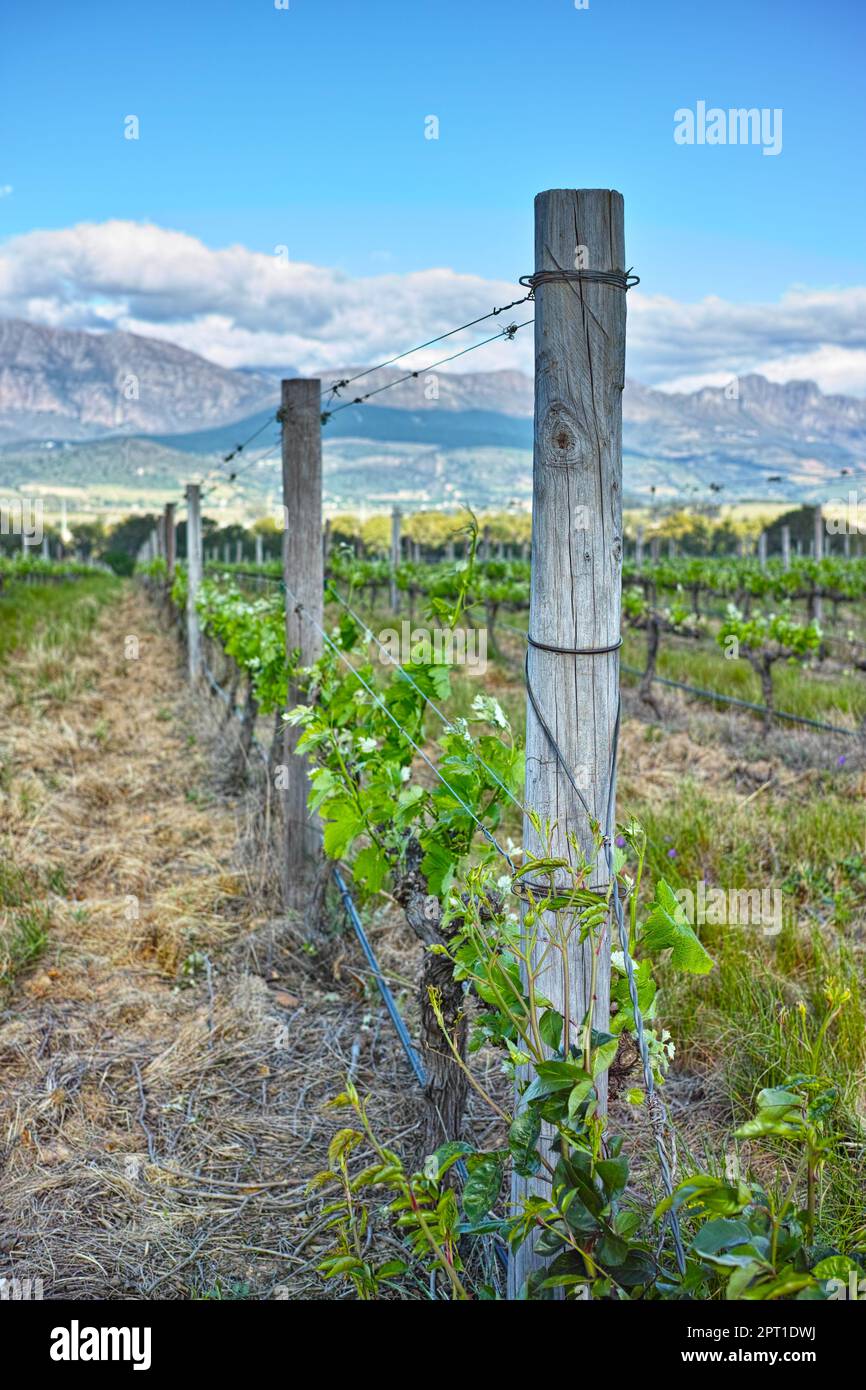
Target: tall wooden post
655 544
638 548
239 552
393 591
170 540
762 550
193 577
786 547
300 417
818 604
260 548
576 568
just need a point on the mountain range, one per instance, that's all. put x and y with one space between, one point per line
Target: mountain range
126 412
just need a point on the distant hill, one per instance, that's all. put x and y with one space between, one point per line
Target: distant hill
64 385
433 437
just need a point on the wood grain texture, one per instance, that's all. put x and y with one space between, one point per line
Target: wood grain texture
396 542
193 577
170 540
300 415
576 556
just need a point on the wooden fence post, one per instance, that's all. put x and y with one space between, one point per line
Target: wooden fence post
170 541
303 571
193 577
393 591
576 568
786 547
638 549
762 550
818 605
260 549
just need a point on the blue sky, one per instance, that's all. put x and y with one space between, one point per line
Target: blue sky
305 127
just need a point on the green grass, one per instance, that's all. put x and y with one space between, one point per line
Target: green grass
812 693
25 919
745 1019
29 612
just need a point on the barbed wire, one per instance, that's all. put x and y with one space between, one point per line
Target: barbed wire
507 333
502 309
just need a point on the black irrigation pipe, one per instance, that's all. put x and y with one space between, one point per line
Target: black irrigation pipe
743 704
352 914
387 997
723 699
384 989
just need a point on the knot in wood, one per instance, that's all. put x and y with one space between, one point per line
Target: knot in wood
563 439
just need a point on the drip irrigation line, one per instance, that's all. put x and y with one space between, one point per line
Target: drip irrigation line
723 699
743 704
409 1048
387 997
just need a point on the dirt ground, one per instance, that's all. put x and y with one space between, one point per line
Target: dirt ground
164 1066
166 1061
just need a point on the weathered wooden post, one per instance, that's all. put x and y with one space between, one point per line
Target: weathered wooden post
326 543
260 549
303 571
818 550
170 541
846 540
193 577
762 550
239 552
655 544
574 615
46 548
786 547
638 548
393 591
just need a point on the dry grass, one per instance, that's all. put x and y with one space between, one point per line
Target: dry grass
167 1061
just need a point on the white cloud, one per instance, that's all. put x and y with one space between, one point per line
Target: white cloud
248 308
5 190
